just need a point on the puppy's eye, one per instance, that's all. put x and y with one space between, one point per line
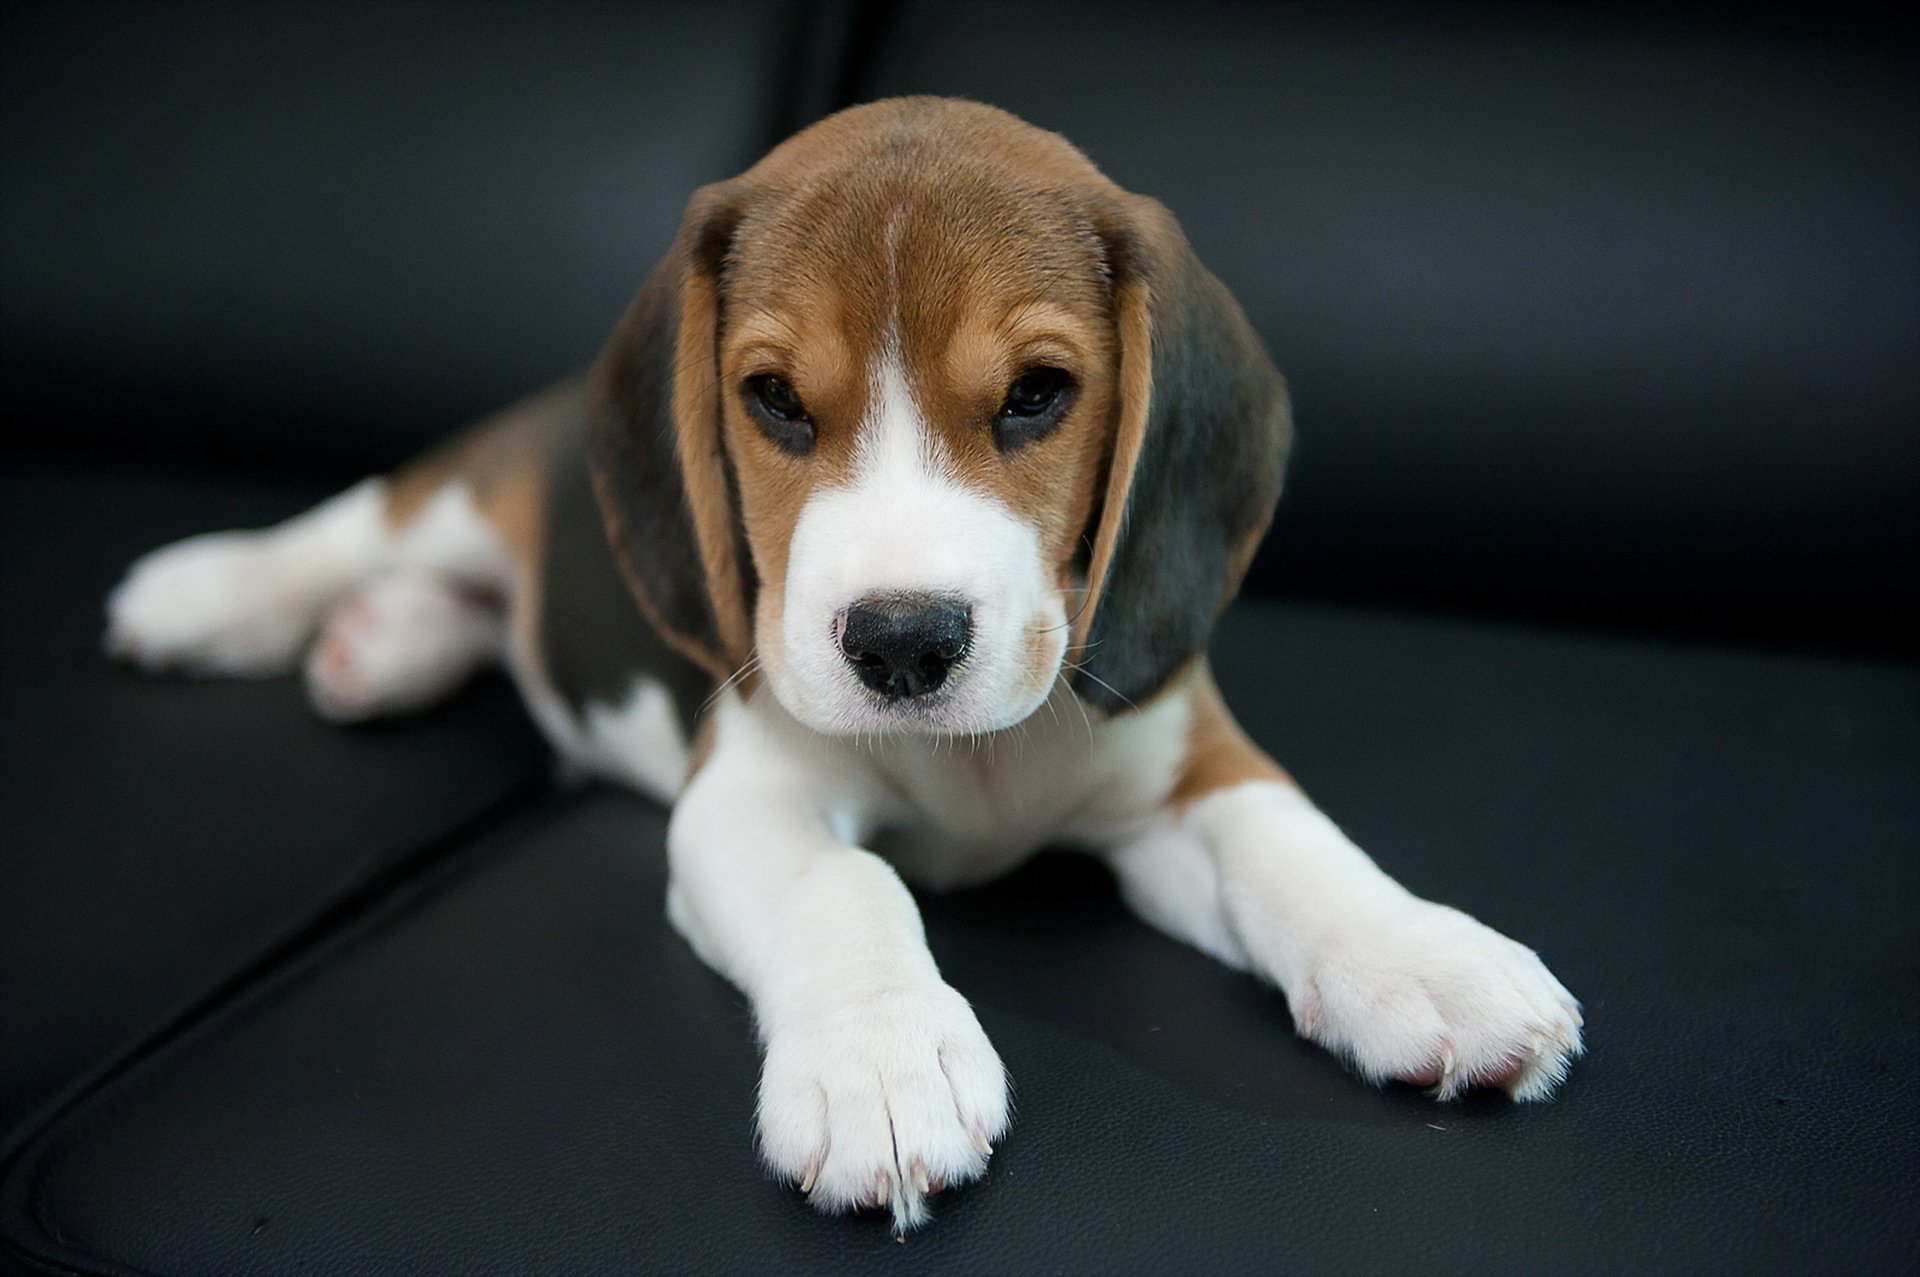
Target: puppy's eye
776 408
1034 405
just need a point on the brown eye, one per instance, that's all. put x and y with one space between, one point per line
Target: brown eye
1034 405
775 407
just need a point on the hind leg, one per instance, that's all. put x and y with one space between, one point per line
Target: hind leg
244 604
402 644
416 577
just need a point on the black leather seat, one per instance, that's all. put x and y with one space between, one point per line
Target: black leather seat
276 996
164 836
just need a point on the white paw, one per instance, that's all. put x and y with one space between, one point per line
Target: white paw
1425 994
214 604
399 646
883 1102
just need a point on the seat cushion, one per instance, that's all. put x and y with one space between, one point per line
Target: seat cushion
161 835
514 1065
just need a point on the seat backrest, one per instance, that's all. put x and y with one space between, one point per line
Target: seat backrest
324 235
1598 313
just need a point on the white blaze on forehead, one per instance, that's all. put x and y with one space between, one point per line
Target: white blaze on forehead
895 442
906 521
894 439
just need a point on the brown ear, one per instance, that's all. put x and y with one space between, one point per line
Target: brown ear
1198 453
659 467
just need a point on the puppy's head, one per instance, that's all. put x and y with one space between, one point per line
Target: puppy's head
923 413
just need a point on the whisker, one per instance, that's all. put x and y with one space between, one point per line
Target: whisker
747 667
1085 719
1082 669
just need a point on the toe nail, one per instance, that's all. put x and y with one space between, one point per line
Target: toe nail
980 1142
918 1174
808 1180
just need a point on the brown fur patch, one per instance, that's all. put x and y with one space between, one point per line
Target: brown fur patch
1135 391
703 465
1219 754
503 462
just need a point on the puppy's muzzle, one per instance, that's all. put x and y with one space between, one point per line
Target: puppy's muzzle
904 645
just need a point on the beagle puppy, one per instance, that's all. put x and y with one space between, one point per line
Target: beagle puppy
883 540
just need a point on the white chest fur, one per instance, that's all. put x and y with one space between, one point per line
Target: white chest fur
953 811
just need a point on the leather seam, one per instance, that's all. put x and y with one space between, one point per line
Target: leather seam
303 947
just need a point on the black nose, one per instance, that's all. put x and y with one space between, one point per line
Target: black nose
902 645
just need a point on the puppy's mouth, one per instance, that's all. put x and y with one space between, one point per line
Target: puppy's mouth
927 709
927 699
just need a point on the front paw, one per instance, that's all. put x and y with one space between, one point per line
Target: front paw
1424 994
882 1101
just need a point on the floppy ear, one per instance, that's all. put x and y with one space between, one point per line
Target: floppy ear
659 468
1198 452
